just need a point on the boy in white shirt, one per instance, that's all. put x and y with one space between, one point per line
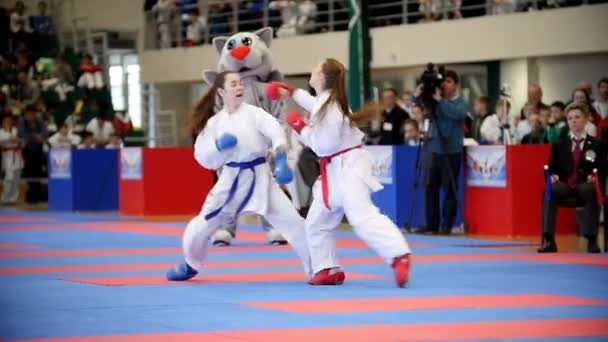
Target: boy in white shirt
64 138
101 129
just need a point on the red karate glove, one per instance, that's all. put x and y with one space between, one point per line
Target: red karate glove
272 90
296 121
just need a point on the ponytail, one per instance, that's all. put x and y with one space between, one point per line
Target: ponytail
202 112
205 108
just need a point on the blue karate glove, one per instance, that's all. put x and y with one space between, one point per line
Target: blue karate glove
225 142
281 171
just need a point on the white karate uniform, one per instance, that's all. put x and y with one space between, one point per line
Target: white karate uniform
256 132
350 182
12 164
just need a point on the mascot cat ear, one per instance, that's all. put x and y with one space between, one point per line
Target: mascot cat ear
209 76
219 43
265 35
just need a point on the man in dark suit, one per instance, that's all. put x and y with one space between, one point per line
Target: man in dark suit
393 118
571 164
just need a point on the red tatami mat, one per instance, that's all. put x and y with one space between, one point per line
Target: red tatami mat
425 303
123 227
11 219
208 278
503 330
15 246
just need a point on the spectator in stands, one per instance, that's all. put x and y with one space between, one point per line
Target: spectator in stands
91 77
64 138
75 122
557 125
500 7
430 10
12 160
8 75
406 102
534 102
307 14
44 24
393 117
581 97
20 24
165 11
496 129
61 79
33 132
600 106
418 115
24 93
122 124
523 127
537 131
219 19
412 132
446 146
88 141
101 129
480 113
114 142
196 28
571 164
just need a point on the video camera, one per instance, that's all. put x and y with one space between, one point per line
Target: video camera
430 79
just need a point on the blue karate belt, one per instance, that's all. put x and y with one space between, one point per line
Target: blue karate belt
250 165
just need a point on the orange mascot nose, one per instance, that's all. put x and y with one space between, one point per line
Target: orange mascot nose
240 52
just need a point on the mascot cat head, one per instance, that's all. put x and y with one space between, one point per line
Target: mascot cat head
247 53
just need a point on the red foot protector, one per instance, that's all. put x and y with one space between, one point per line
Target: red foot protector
208 278
504 330
425 303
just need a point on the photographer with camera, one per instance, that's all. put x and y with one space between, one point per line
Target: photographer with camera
446 112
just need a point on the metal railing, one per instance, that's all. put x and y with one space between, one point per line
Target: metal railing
172 26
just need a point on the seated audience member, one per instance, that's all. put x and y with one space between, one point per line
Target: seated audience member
412 133
101 129
537 131
571 166
480 113
114 142
497 128
393 117
64 138
91 77
88 141
556 127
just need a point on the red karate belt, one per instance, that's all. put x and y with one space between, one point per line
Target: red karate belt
324 162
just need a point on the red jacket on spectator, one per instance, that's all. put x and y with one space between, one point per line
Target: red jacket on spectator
599 123
122 124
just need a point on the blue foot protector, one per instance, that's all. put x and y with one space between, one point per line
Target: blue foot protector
181 273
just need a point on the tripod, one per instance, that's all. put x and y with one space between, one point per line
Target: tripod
443 142
417 175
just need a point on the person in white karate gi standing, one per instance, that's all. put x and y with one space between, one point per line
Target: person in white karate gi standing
346 181
237 139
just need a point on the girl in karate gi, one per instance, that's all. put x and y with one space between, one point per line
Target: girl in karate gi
237 140
346 180
12 160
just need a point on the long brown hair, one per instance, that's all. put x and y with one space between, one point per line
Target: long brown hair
335 82
205 108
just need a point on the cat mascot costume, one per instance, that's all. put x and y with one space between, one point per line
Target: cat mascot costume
248 54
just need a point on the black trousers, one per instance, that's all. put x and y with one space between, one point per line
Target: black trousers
583 195
437 178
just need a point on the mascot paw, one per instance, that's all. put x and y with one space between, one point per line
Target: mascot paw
222 237
275 238
181 273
